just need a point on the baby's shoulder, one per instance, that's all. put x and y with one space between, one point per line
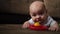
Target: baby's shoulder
31 21
49 18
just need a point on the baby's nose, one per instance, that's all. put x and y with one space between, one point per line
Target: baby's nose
37 16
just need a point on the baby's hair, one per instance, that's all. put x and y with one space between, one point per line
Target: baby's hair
38 2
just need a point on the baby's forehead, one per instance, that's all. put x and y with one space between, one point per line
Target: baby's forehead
37 12
37 9
37 6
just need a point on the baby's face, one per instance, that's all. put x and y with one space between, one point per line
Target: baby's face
38 15
38 12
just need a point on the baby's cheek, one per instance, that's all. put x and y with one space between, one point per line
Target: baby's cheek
42 17
33 18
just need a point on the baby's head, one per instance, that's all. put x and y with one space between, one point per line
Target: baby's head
38 11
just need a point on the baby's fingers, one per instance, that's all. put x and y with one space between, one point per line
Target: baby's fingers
57 29
52 29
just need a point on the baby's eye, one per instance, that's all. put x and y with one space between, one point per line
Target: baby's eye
33 15
41 13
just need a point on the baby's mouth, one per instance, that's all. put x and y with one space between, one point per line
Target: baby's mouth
37 20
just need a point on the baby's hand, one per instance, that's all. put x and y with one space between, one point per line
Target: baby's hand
25 25
54 27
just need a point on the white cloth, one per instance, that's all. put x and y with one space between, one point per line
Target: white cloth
50 21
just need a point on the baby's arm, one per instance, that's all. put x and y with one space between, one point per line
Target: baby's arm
25 25
54 26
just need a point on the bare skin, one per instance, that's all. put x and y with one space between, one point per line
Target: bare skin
38 13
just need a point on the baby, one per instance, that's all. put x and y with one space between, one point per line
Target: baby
39 13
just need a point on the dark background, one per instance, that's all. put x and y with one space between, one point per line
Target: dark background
13 18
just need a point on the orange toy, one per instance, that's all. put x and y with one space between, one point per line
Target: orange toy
38 26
